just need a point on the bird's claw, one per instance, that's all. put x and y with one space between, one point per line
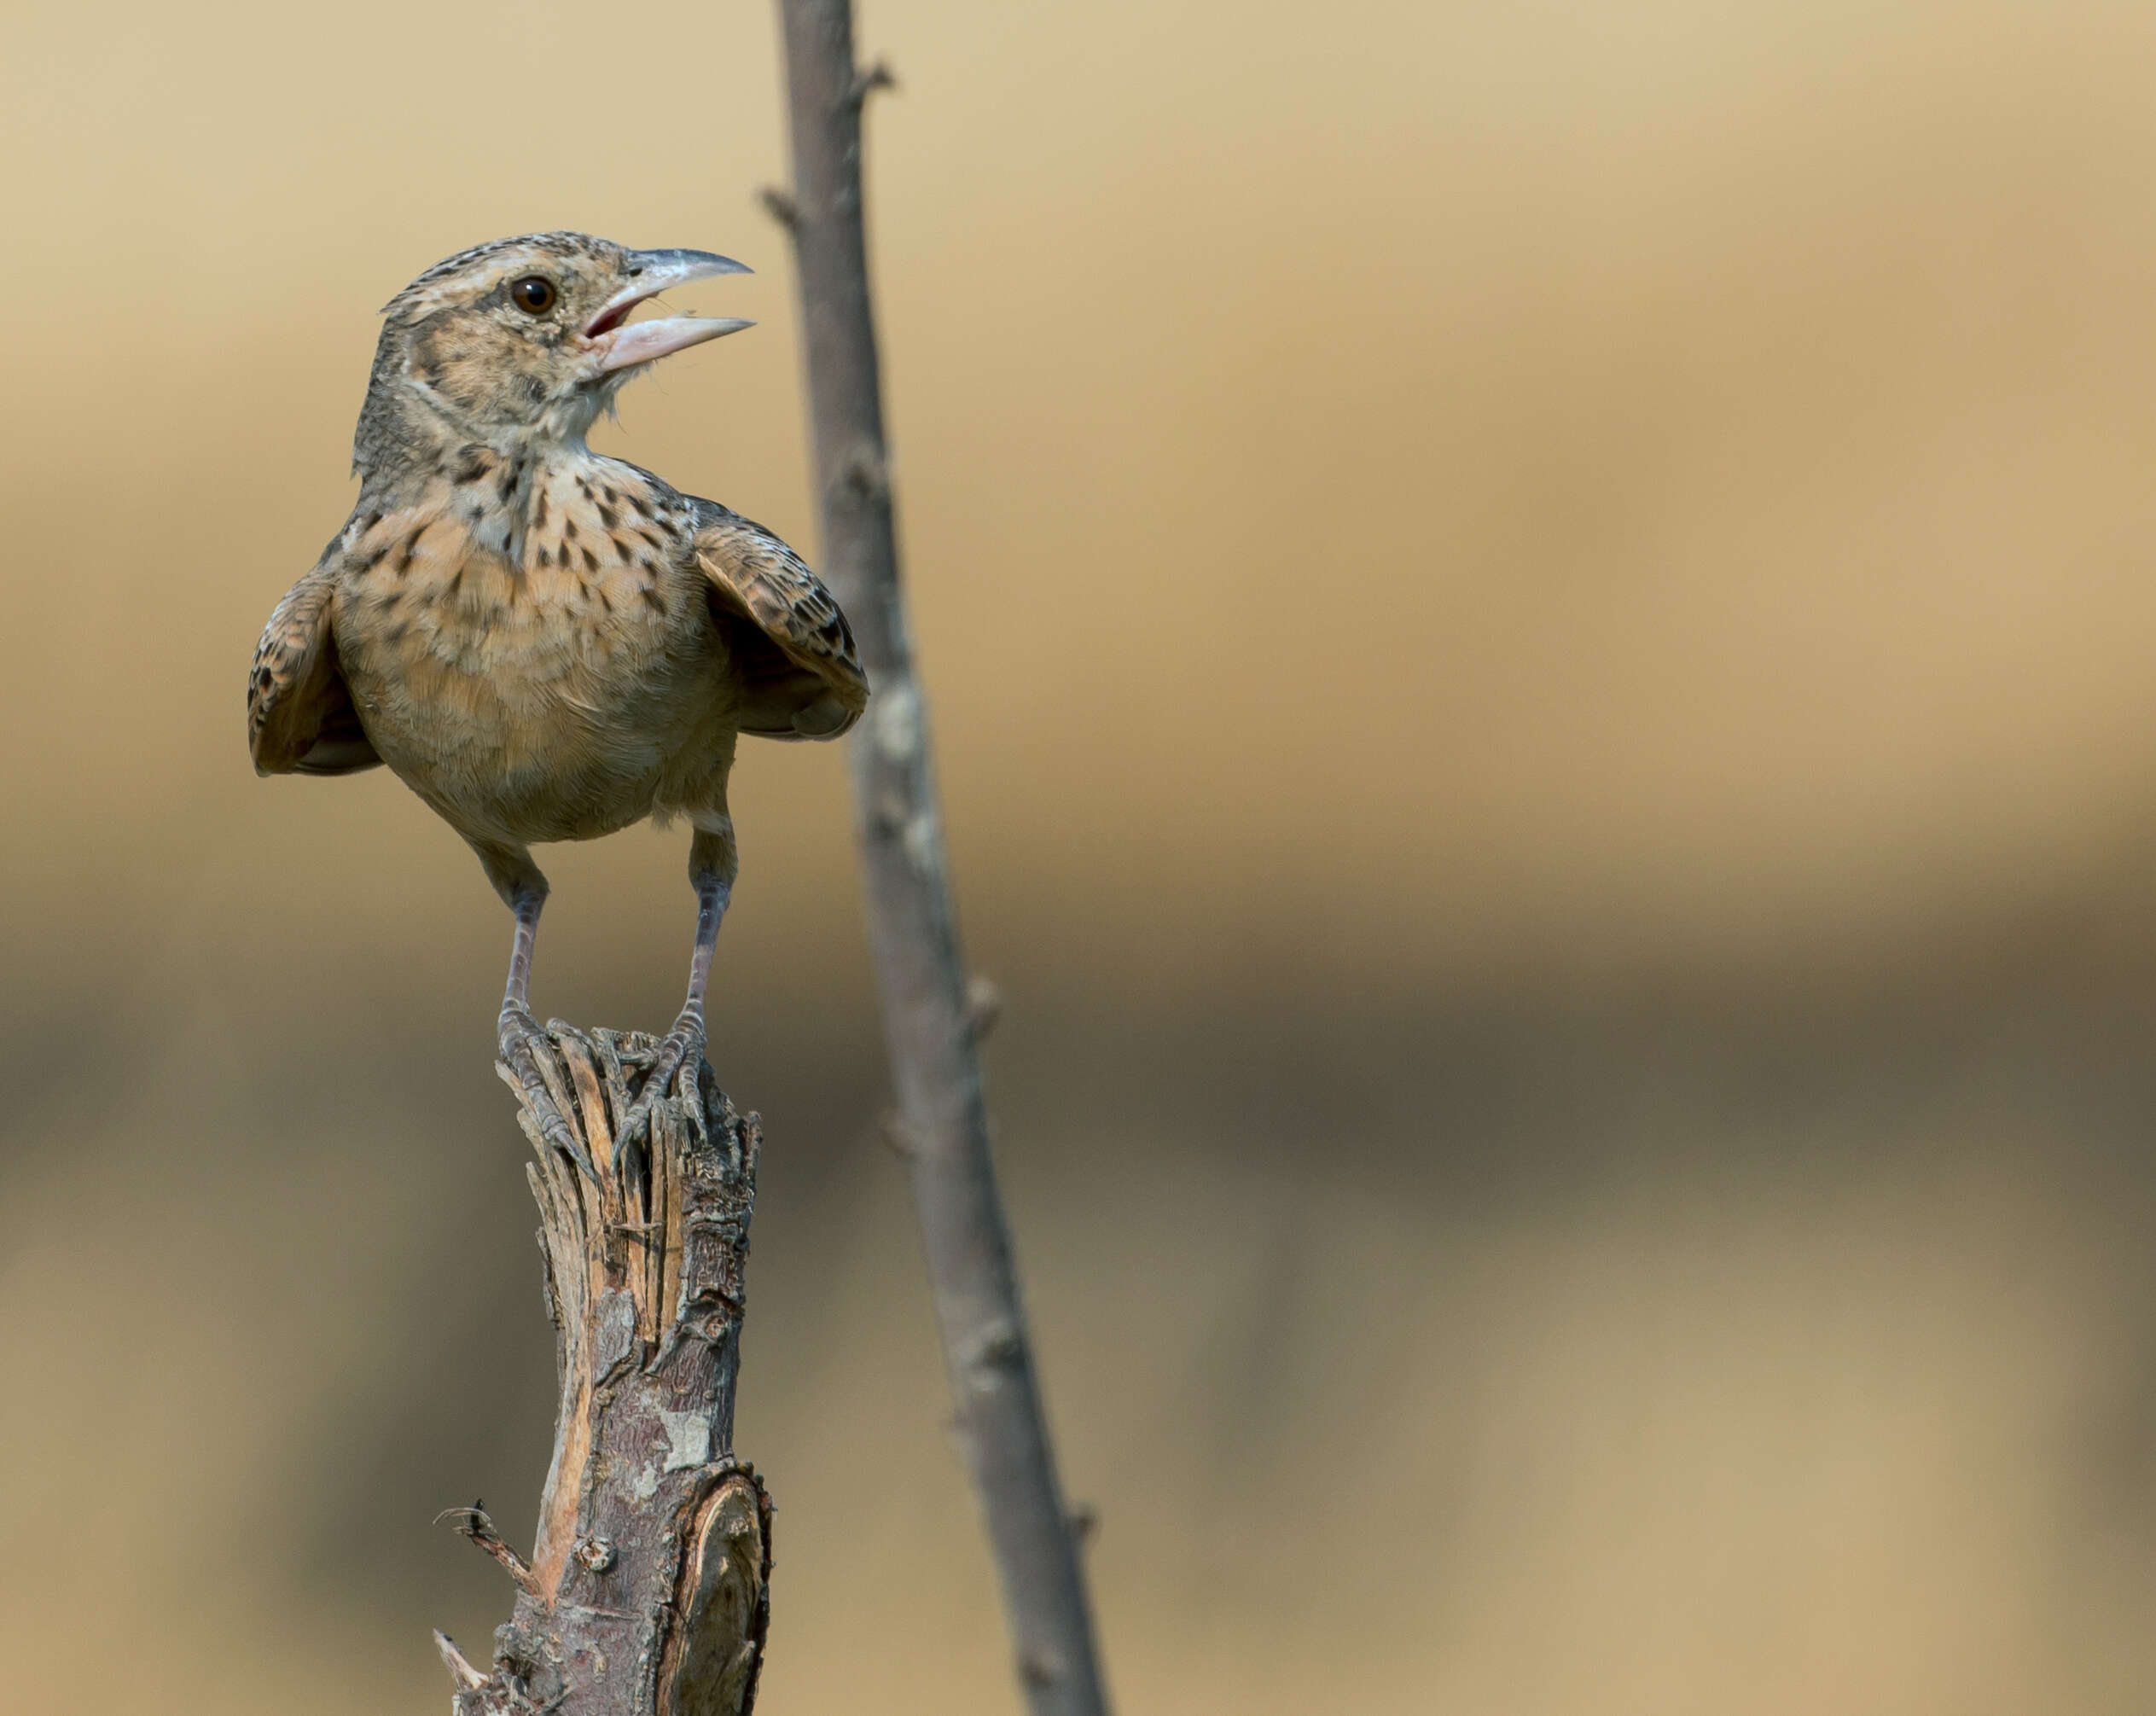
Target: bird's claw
674 1052
521 1038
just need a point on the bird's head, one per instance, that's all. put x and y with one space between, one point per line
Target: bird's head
524 337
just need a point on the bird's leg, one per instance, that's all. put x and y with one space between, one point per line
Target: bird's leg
712 866
521 1040
517 996
687 1037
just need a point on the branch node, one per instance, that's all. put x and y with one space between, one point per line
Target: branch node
997 1351
866 82
595 1555
904 1142
779 207
984 1006
1038 1668
1086 1520
867 472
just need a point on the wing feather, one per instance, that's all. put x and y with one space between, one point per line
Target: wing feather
793 647
300 717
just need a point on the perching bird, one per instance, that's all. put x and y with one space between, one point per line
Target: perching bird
543 643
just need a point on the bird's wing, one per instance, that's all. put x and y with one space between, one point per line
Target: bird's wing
300 718
792 647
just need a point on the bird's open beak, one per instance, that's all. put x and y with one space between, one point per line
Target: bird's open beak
650 273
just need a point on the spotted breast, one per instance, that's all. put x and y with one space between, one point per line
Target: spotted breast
530 643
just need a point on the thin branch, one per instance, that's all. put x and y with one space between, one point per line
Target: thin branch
933 1020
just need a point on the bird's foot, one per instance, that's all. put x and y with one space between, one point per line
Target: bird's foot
522 1042
682 1046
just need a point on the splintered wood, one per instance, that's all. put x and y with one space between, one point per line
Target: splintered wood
647 1591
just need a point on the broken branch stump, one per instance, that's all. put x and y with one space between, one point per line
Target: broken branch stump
647 1592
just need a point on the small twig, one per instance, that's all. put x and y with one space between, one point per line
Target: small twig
779 207
867 81
460 1669
478 1528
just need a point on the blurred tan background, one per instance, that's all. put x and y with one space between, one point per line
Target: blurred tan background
1539 618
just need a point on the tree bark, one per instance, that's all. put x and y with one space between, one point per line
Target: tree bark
931 1029
647 1591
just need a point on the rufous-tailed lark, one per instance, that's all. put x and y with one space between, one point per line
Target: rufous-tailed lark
543 643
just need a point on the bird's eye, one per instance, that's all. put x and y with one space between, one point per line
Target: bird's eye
535 293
